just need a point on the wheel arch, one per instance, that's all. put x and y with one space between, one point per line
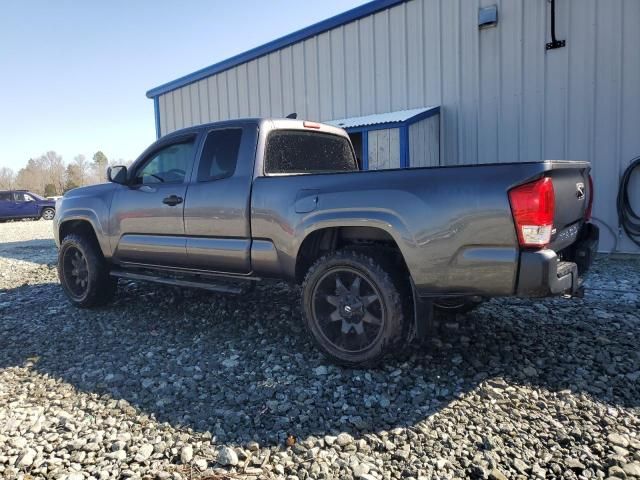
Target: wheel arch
83 227
329 239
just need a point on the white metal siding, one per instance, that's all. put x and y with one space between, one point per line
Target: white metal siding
424 142
384 149
503 97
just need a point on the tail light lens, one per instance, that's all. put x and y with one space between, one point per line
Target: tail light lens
533 206
587 214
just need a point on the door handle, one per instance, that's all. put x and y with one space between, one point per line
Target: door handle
172 200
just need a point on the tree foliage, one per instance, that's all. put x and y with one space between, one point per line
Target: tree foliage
49 175
7 178
100 164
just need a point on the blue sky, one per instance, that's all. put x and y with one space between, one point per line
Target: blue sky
73 74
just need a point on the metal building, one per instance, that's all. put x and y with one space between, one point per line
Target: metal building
502 95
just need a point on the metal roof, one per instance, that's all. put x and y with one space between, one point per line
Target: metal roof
295 37
399 117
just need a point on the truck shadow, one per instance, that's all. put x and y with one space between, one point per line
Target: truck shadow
243 369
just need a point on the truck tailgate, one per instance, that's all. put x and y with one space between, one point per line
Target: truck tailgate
572 190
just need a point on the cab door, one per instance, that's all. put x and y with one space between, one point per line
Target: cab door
216 215
147 214
24 205
6 205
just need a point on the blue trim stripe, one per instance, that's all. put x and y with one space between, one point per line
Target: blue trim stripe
365 150
156 111
404 146
295 37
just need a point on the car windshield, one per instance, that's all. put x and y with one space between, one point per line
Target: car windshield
35 195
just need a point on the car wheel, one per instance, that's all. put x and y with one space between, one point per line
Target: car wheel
353 308
84 273
457 304
48 213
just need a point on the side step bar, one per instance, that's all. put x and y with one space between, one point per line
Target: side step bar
177 282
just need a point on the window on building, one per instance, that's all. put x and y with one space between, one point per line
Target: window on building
220 154
296 151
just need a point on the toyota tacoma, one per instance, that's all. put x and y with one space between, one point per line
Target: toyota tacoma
220 206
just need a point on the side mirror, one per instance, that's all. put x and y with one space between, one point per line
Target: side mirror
117 174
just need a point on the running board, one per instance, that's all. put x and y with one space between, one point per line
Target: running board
177 282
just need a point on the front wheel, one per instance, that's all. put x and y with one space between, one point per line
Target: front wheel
48 213
84 273
353 308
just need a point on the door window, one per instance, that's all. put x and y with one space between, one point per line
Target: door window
5 197
168 165
22 197
220 154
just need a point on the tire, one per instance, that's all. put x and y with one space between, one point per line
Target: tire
455 305
345 321
47 214
84 273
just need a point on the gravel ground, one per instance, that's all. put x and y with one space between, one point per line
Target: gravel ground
169 384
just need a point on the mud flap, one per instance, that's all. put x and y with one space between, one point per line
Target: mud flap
423 316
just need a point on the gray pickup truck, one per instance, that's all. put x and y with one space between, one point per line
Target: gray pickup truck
220 206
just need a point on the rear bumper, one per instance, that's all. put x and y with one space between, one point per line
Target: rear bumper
542 273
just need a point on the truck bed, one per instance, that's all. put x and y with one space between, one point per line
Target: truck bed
453 225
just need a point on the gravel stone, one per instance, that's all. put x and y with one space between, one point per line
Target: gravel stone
496 474
163 381
344 439
27 457
144 452
227 456
618 440
186 454
632 469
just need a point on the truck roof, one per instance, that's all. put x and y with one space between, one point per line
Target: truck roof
275 124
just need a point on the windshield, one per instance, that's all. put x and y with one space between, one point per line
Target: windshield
35 195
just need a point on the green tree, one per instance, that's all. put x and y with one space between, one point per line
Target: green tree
100 164
72 177
50 190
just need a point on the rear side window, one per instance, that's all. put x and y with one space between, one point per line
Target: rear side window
5 197
295 151
220 154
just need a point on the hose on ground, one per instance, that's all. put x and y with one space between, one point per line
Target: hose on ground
628 219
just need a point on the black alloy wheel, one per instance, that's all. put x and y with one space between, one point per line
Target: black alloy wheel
355 307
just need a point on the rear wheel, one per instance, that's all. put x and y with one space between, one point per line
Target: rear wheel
84 273
48 213
353 308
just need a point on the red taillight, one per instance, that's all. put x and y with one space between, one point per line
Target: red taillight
533 205
311 125
587 214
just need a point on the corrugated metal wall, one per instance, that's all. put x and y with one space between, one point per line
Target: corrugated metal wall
384 149
424 142
503 97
